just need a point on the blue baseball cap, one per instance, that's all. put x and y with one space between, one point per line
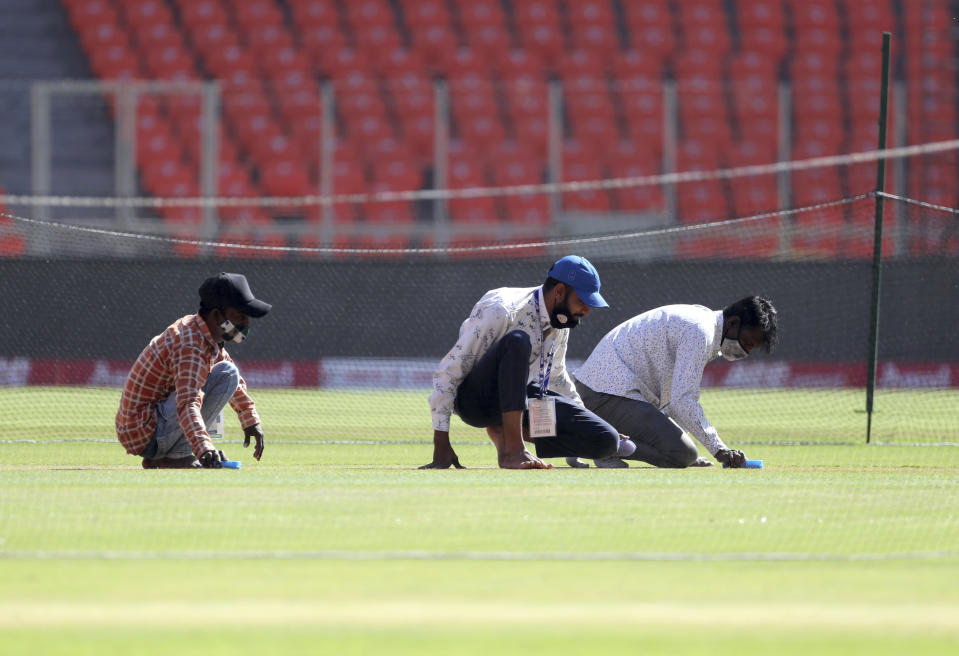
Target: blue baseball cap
578 273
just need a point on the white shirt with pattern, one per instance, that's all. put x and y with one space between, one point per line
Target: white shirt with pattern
659 357
500 311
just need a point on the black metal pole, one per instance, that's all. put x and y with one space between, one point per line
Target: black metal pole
877 241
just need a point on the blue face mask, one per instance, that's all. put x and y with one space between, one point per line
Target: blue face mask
732 349
233 334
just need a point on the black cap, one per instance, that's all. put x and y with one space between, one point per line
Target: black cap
232 290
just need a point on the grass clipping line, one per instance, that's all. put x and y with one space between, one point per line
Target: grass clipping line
940 618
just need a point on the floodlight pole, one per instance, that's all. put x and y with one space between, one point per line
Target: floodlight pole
877 240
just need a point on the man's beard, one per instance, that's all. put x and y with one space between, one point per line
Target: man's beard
560 312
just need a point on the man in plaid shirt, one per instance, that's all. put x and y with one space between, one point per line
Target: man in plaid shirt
184 378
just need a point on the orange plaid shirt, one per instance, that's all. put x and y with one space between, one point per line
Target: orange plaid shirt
178 359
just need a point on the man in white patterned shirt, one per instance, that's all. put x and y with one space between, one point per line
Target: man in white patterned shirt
512 346
644 377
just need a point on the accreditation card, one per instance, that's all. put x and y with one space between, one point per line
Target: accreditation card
542 417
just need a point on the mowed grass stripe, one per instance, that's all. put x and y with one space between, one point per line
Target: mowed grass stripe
940 618
746 415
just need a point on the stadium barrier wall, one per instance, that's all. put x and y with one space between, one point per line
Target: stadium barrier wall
110 309
401 373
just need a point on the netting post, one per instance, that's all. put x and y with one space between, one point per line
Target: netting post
899 165
210 154
877 240
126 95
327 146
554 144
784 179
40 149
441 126
670 140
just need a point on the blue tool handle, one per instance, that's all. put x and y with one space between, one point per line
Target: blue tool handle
750 464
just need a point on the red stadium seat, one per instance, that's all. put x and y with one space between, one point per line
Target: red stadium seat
210 40
465 62
544 40
91 13
814 14
536 12
418 132
473 210
602 39
158 35
399 62
256 14
760 13
363 13
826 42
397 174
637 198
360 104
284 177
321 43
531 210
146 13
378 40
115 63
650 27
634 64
202 14
482 131
473 13
527 97
314 13
436 43
101 36
264 39
424 13
770 42
390 212
491 40
296 106
753 195
519 64
412 96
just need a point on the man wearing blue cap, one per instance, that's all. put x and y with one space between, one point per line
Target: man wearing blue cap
507 373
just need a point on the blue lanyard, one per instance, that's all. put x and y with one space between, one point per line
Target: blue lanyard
546 364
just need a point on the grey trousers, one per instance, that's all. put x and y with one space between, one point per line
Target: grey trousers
659 441
169 441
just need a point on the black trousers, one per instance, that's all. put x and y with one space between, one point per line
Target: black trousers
497 384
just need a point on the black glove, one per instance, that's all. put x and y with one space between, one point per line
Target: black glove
731 458
255 431
211 459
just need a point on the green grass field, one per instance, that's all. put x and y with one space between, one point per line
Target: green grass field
335 543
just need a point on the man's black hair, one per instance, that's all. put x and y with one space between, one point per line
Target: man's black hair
549 284
205 309
756 312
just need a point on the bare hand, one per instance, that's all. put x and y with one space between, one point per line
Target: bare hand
443 455
255 431
522 460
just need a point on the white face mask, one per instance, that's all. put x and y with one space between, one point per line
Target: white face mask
732 350
233 334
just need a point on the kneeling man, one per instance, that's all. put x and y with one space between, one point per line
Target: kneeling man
644 377
183 379
508 369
